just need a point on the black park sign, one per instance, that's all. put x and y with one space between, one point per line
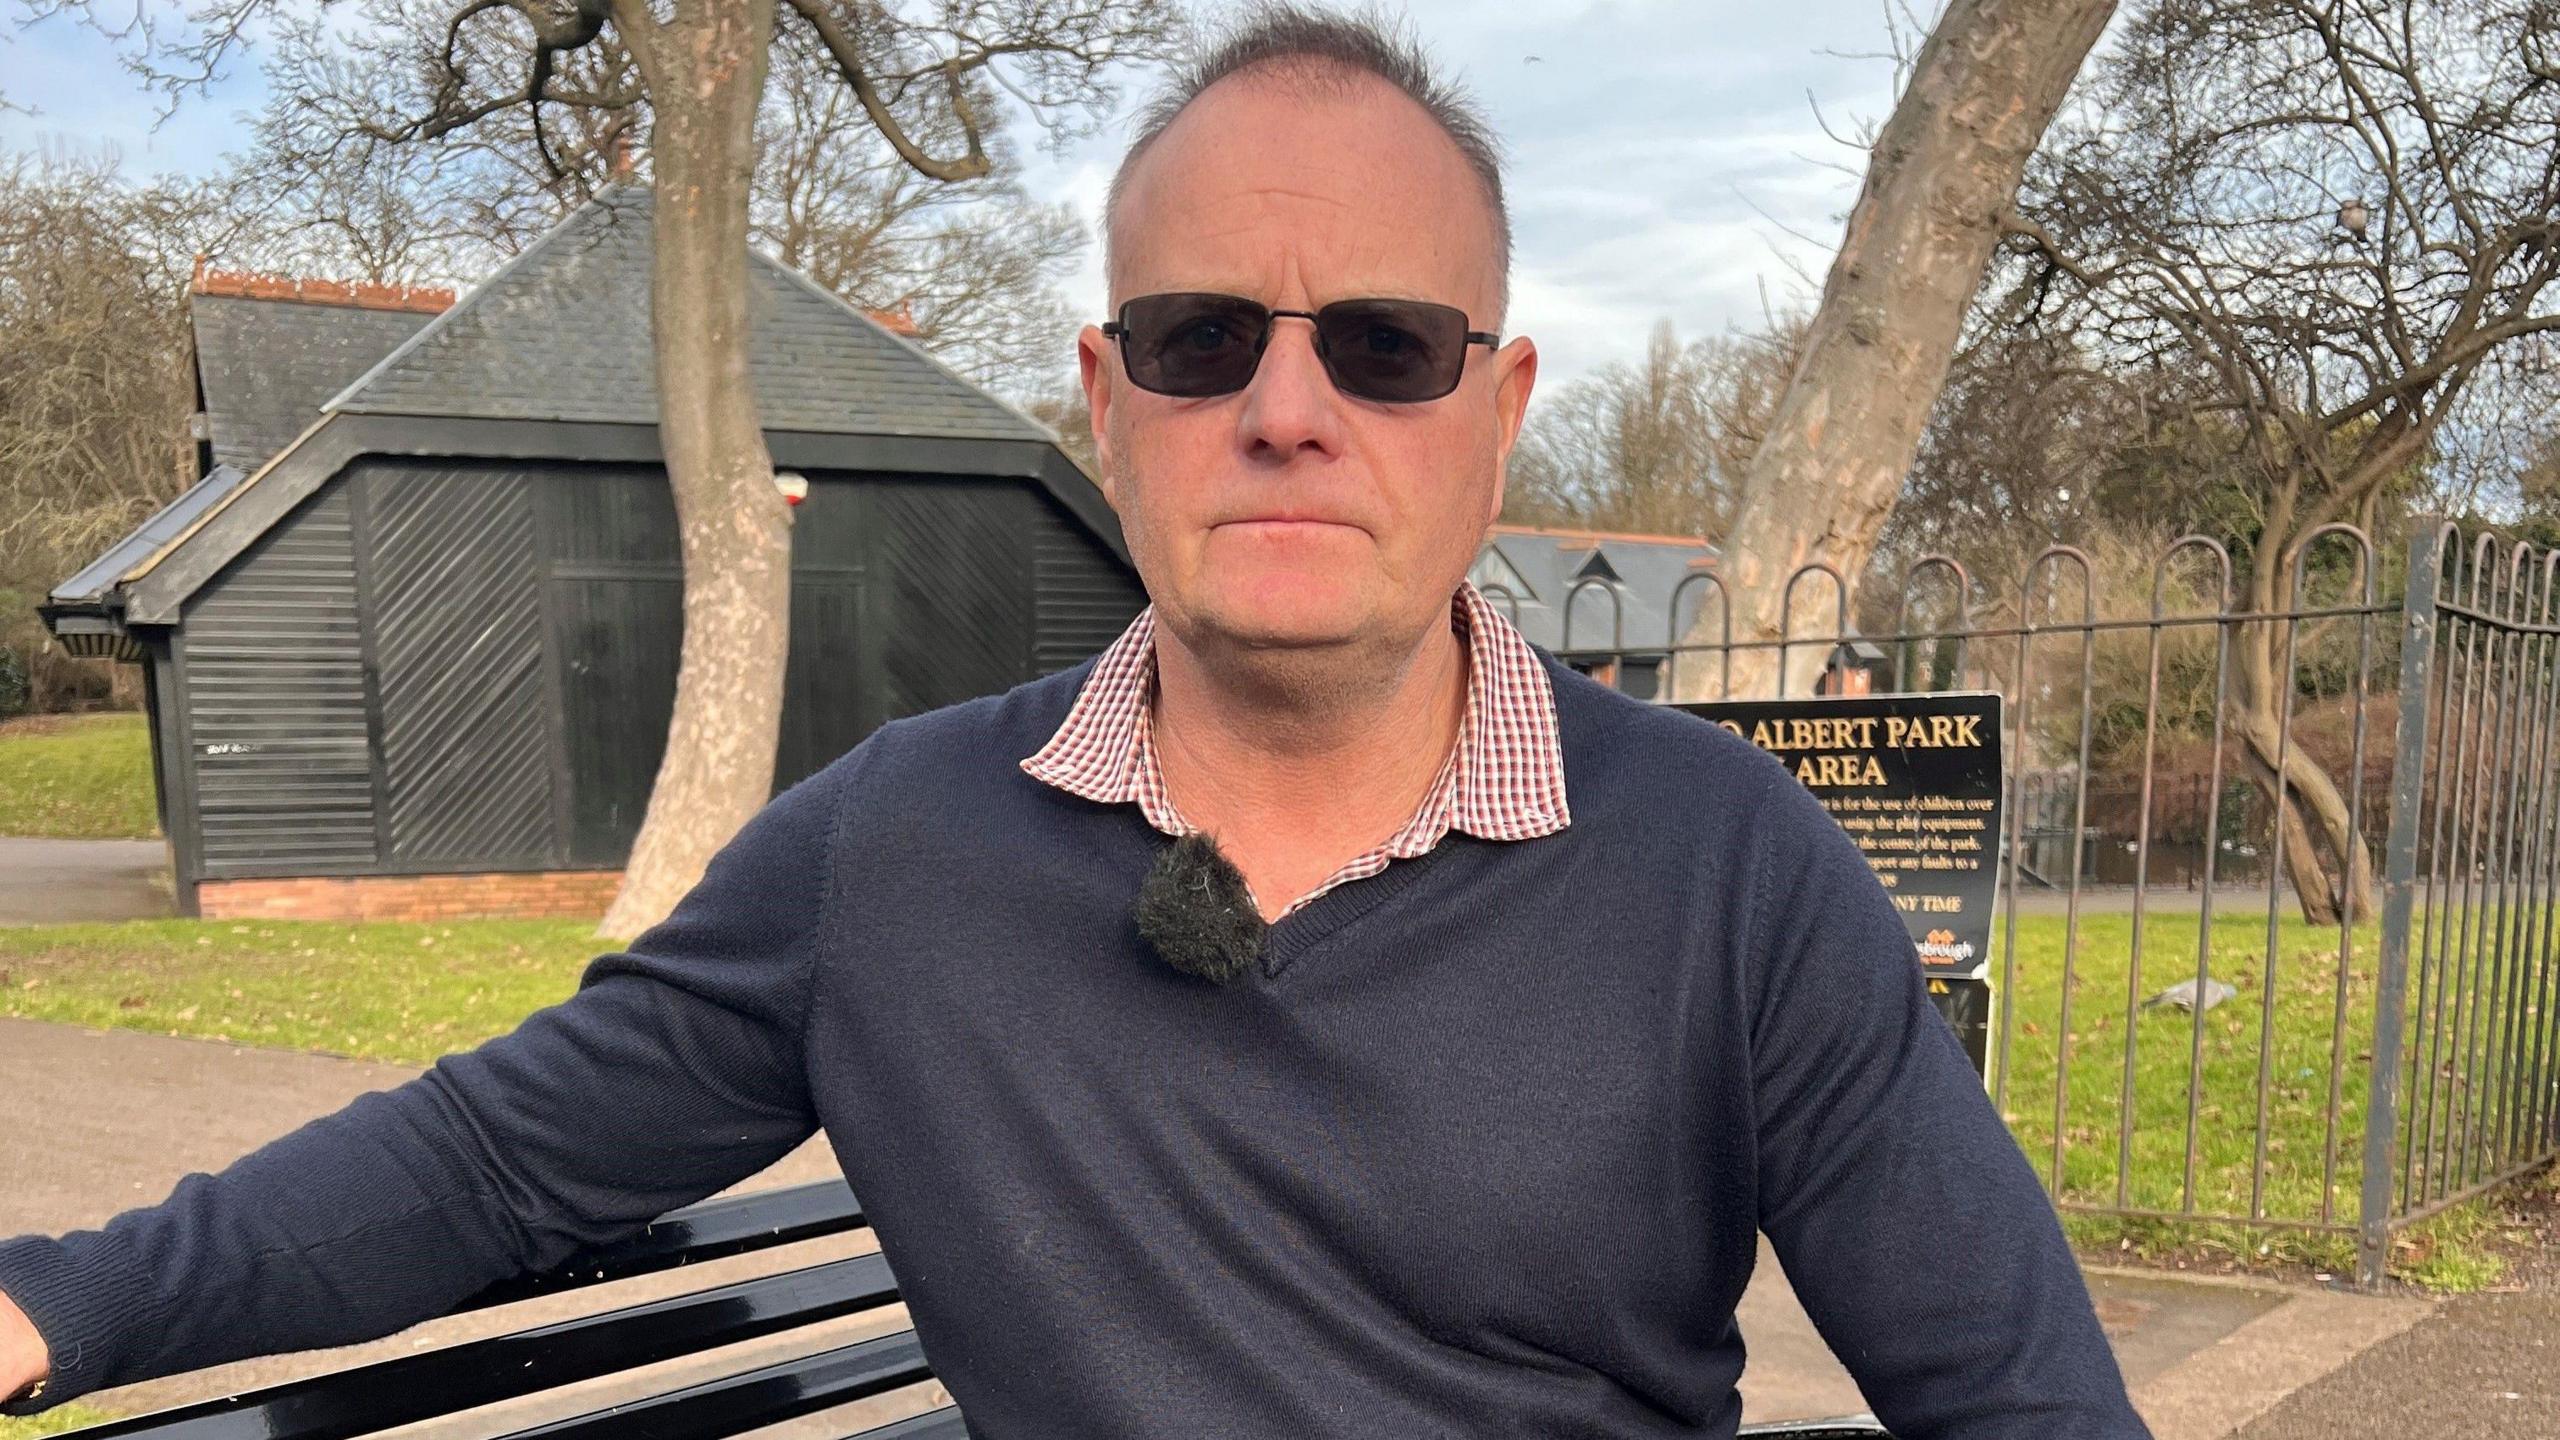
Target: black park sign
1915 781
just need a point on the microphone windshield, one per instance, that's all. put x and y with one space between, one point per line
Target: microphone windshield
1197 913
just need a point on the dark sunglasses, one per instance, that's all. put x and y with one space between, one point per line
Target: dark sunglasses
1195 345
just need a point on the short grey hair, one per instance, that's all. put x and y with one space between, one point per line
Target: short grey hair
1312 47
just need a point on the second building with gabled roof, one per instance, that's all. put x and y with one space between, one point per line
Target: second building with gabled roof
413 651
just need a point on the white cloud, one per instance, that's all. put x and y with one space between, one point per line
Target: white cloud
1660 152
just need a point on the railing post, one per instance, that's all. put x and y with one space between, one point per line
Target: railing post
2399 885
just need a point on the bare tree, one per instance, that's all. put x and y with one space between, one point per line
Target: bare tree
974 264
1940 177
1658 446
94 384
2037 438
2492 462
914 71
2333 220
2537 496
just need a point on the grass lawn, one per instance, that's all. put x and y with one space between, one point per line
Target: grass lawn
403 992
76 777
2310 1170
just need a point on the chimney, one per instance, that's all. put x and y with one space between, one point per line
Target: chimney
901 321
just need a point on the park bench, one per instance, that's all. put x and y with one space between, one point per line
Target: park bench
374 1397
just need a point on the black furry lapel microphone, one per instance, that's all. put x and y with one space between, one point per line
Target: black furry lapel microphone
1195 909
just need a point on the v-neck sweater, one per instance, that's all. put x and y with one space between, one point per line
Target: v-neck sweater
1483 1147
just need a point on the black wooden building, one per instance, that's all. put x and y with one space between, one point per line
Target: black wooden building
425 620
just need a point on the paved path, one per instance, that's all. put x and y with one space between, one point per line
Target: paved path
50 881
2483 1365
92 1122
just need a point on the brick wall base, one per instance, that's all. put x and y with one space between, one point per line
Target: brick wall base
574 894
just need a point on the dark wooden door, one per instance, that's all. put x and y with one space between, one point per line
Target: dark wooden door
618 642
452 594
614 591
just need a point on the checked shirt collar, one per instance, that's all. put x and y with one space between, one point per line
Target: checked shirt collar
1504 780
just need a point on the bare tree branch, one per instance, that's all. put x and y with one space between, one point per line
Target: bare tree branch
843 45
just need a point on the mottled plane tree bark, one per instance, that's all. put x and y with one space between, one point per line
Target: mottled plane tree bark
1940 179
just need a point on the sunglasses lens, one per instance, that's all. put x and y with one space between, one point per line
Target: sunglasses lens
1193 345
1397 351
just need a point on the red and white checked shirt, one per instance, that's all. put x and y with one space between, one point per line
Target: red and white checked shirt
1503 780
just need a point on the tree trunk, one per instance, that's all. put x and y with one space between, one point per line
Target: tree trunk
2328 863
1940 180
706 78
2311 856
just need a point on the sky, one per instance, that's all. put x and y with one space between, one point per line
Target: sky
1667 157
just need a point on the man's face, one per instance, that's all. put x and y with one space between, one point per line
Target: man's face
1290 516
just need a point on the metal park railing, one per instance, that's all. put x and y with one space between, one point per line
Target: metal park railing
2276 947
2471 963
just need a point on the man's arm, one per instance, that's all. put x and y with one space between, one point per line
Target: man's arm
674 1071
1907 1220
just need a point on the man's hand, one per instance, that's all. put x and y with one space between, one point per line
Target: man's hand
23 1357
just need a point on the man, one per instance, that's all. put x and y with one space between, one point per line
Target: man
1534 1006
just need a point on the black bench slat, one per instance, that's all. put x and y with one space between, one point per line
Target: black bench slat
712 1230
502 1367
752 1398
942 1424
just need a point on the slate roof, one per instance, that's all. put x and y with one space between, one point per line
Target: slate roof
562 333
1540 568
268 365
99 576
